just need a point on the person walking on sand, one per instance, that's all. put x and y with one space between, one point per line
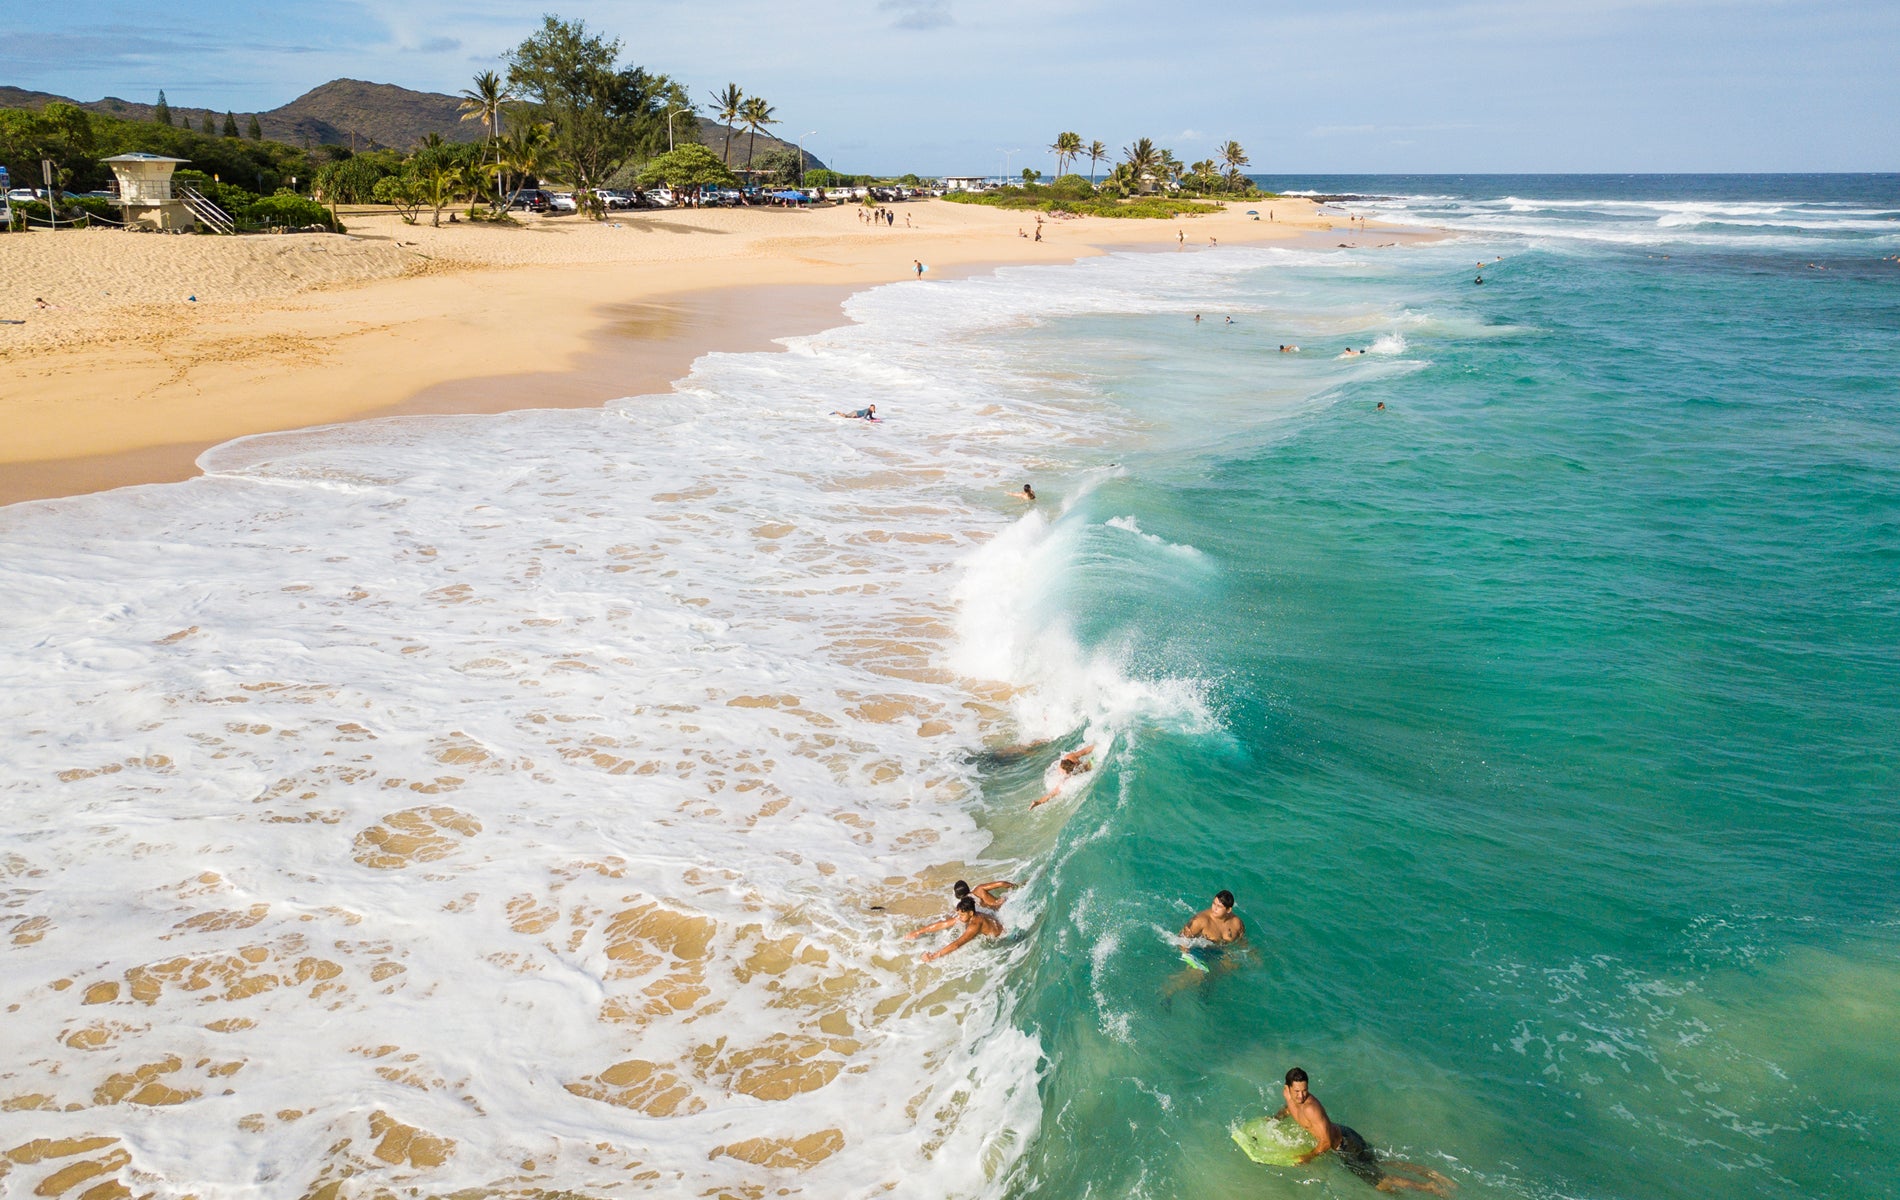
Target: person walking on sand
975 925
1180 237
1075 762
919 264
1354 1154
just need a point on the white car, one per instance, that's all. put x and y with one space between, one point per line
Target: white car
22 196
563 202
660 198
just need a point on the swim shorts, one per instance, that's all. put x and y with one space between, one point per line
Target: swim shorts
1357 1156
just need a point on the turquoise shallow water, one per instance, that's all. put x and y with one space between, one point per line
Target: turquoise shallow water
1557 703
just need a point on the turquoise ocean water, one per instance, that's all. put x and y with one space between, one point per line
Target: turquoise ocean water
562 783
1558 703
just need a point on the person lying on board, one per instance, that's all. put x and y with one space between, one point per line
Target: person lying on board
1353 1152
987 902
867 413
975 925
1075 762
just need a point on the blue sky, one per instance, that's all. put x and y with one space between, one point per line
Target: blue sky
945 86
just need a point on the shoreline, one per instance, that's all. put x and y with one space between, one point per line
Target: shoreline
583 314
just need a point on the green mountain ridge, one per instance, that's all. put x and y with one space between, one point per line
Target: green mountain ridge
363 116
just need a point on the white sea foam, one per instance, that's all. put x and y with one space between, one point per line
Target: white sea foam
1130 525
494 803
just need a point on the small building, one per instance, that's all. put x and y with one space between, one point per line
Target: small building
965 183
145 191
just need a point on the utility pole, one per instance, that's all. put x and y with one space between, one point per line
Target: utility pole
801 155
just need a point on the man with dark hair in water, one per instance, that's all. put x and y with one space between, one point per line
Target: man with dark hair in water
1218 923
987 902
1075 762
867 413
1358 1157
974 923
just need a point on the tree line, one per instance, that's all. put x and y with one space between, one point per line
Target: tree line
564 106
1144 165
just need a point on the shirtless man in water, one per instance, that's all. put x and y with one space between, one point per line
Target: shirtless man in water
989 897
1303 1106
1217 924
1075 762
974 923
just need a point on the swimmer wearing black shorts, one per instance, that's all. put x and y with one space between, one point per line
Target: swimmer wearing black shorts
1351 1149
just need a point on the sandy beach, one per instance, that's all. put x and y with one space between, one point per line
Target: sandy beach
152 349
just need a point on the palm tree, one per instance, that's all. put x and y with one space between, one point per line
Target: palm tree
1066 147
1168 167
757 114
1141 159
483 103
728 106
1233 158
1096 152
528 151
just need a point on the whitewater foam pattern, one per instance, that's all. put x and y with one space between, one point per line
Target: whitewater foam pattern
496 802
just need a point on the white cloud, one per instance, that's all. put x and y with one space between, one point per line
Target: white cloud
917 14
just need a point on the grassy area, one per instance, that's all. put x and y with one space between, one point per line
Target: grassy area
1040 200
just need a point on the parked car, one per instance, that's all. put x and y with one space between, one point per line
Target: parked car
659 198
23 195
613 200
563 202
532 199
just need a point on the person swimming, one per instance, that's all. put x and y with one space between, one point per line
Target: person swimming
1352 1150
1028 493
975 924
1075 762
867 413
1209 935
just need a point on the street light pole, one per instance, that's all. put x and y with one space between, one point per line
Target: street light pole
801 155
1007 155
670 114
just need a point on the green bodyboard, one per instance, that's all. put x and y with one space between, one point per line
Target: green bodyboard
1272 1141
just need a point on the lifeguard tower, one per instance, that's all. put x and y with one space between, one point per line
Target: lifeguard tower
150 200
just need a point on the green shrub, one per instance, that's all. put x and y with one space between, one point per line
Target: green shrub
72 208
1038 200
286 208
